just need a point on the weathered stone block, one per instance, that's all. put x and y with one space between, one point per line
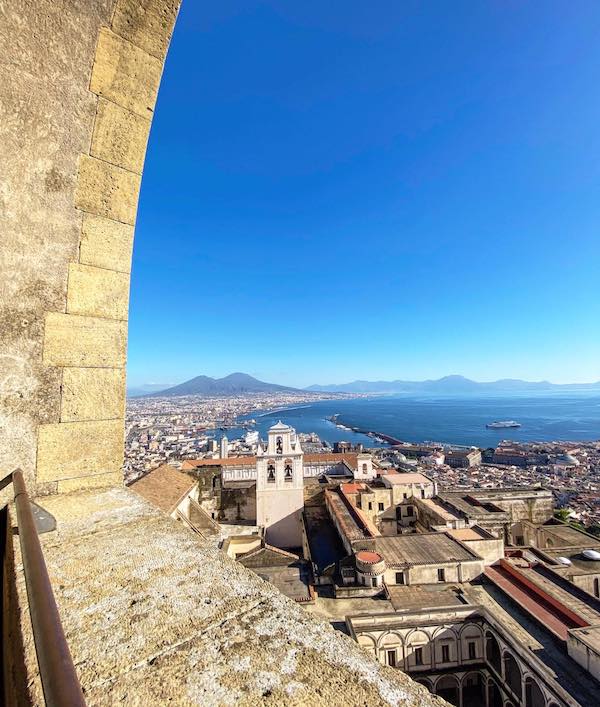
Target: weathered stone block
97 292
92 394
106 190
72 340
146 23
120 136
114 478
125 74
71 450
106 243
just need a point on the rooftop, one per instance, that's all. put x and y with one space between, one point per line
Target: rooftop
424 596
403 479
422 549
164 487
435 506
468 534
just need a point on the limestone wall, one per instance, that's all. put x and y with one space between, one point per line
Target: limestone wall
78 83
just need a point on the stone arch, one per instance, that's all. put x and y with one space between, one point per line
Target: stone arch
368 642
512 674
493 653
494 694
448 687
473 687
425 682
471 633
418 649
69 232
391 649
390 638
445 636
534 697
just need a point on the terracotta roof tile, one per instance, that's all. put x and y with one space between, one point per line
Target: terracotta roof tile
164 487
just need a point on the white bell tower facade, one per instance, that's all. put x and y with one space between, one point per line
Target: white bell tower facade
280 487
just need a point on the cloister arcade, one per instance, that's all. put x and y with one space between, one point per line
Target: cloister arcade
469 664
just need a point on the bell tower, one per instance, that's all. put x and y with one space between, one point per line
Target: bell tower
280 487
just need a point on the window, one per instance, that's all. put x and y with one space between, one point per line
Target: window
405 496
288 475
597 587
391 659
441 575
410 511
380 506
271 474
418 656
370 506
445 654
422 493
399 577
374 581
364 468
279 445
472 650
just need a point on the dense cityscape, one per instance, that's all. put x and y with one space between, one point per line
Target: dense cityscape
170 430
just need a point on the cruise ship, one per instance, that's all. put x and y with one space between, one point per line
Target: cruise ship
502 424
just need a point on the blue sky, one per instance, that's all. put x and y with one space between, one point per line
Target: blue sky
372 190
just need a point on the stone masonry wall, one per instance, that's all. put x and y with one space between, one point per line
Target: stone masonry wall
78 86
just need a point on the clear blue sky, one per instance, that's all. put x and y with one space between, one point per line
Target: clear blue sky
372 190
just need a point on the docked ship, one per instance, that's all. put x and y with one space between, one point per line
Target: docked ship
502 424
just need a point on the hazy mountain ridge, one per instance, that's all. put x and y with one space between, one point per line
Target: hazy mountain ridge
233 384
450 384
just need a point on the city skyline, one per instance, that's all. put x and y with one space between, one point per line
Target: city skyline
422 178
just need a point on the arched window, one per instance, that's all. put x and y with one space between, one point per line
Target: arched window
365 468
534 697
279 445
473 690
492 653
447 687
512 674
494 695
288 474
271 474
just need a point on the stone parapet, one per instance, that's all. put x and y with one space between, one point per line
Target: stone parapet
154 615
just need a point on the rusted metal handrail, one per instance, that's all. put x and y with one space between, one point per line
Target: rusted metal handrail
59 680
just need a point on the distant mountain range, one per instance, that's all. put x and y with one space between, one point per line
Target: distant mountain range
233 384
450 384
237 383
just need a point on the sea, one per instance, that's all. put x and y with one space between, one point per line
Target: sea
445 419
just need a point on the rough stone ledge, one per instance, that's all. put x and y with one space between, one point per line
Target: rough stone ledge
155 615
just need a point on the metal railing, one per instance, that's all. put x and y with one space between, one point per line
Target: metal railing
59 680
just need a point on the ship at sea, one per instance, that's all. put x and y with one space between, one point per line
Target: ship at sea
502 424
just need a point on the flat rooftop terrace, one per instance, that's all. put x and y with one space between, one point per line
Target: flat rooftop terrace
422 549
424 596
156 615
